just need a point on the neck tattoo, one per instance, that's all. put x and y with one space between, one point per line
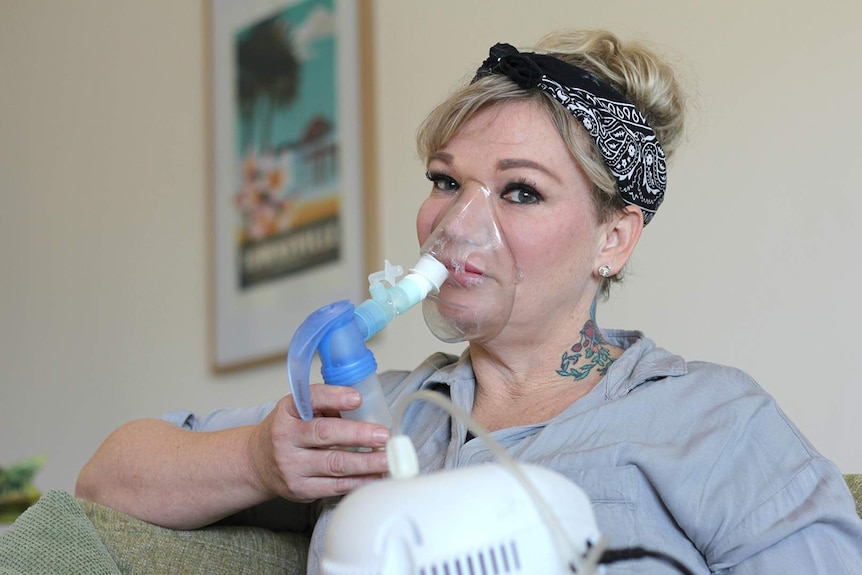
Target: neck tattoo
589 354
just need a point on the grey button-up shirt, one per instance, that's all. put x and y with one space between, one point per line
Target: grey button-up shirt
689 458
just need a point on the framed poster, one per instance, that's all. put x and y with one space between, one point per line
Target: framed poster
291 215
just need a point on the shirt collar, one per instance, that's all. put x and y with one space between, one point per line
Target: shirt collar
451 372
641 361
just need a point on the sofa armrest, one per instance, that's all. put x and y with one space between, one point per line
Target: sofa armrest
62 534
54 536
854 482
139 547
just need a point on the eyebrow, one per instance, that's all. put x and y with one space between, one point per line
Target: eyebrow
444 157
502 165
509 164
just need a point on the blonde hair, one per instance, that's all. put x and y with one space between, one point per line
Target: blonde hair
631 68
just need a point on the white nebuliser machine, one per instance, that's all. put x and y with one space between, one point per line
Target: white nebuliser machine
474 520
490 519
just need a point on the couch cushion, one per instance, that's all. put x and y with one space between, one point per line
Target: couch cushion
854 482
54 536
140 548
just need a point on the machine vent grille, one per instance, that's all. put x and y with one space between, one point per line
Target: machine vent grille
499 559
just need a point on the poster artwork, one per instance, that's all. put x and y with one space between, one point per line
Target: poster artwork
288 195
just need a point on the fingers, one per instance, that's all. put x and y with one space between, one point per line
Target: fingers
308 460
312 472
347 463
328 400
327 432
319 487
341 471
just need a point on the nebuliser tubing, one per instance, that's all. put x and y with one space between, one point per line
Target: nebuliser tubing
338 333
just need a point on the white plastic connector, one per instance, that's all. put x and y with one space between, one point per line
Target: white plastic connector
389 274
431 270
401 457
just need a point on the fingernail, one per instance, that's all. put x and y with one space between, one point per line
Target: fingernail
353 399
380 434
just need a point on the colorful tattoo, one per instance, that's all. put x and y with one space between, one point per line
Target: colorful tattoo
587 355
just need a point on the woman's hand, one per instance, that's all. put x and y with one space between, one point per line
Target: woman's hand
306 460
161 473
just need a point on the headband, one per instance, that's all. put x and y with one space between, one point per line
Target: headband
627 143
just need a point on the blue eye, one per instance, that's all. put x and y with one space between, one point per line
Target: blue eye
520 193
442 182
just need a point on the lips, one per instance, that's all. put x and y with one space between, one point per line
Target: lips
464 274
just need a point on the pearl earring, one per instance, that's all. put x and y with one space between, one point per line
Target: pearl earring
605 271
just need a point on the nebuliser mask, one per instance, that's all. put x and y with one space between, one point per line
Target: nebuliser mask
476 300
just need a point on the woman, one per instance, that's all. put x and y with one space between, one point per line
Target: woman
544 172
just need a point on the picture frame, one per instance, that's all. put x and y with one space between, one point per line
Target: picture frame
292 211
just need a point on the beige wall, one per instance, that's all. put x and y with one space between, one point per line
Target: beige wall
103 160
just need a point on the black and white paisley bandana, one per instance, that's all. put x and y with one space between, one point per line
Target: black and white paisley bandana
625 140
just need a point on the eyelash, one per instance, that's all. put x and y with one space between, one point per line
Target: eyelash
524 186
439 179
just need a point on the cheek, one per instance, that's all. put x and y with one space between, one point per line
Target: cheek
551 251
426 219
535 257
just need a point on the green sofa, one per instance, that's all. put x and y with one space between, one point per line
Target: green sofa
64 535
61 534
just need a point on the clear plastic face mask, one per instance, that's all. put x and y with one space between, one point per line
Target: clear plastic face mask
476 301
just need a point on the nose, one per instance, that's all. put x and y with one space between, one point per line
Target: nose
471 218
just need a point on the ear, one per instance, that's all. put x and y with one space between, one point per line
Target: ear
620 237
